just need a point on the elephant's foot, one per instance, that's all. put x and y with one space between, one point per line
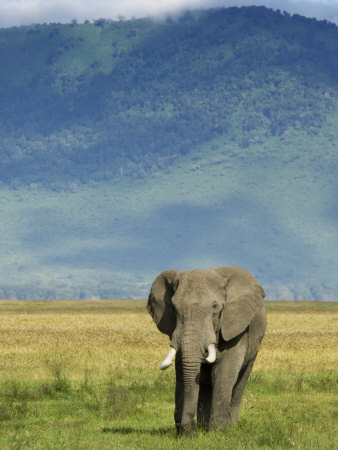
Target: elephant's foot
186 430
217 424
234 412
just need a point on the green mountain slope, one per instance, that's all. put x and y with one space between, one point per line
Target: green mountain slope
135 146
79 97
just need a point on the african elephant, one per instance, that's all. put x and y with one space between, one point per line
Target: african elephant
216 320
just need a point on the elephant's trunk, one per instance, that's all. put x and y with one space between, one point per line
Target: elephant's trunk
191 373
192 356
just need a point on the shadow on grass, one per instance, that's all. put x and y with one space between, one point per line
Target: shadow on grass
130 430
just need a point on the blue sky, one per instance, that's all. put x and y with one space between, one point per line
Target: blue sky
24 12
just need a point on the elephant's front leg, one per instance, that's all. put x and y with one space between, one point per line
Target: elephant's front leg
179 392
224 377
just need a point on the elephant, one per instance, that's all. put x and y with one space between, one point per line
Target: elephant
216 320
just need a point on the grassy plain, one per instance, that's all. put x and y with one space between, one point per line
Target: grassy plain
84 375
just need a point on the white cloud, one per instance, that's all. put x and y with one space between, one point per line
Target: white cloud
19 12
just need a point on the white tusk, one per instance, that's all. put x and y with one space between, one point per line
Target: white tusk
168 359
211 358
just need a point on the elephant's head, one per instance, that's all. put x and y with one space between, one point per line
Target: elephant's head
195 308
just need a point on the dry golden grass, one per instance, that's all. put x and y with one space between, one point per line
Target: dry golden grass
302 342
100 336
33 341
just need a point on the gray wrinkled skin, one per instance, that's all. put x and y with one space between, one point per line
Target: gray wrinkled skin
196 308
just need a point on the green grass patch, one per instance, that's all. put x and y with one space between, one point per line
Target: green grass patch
111 414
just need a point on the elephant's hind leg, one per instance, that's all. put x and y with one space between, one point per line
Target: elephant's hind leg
238 390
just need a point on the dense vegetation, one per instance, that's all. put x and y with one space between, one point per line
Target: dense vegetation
85 375
95 101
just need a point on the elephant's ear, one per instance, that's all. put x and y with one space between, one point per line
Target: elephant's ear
243 299
159 302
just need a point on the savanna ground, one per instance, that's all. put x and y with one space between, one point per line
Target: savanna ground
85 375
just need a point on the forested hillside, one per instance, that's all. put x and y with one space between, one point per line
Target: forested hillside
84 102
129 147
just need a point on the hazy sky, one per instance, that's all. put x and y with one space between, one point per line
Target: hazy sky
20 12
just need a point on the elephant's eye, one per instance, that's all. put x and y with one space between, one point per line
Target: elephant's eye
214 306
